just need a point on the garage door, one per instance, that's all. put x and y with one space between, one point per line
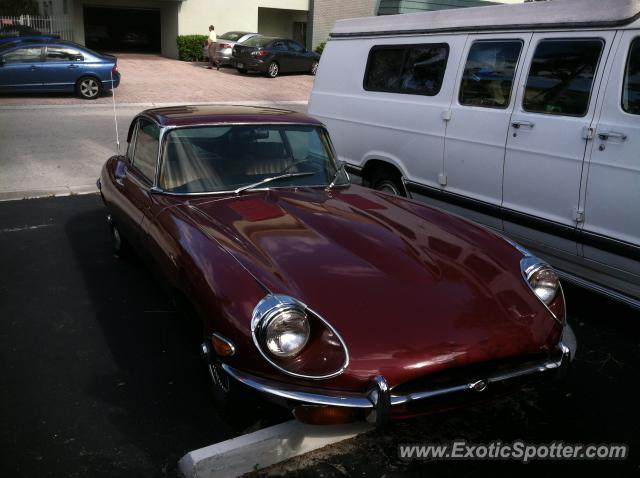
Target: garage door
122 29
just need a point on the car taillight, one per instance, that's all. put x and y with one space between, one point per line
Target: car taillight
260 53
114 69
224 45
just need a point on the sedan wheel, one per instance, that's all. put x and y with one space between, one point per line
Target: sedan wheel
273 69
89 88
314 68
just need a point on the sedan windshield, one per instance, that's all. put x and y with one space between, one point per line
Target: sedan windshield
230 158
232 36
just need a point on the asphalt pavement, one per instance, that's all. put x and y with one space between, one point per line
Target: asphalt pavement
100 373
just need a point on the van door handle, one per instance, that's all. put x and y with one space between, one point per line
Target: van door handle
605 135
518 124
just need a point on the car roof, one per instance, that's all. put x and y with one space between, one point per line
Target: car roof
529 15
189 115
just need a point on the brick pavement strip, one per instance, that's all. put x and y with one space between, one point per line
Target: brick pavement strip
154 79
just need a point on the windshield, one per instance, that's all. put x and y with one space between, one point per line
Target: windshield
257 41
225 158
232 36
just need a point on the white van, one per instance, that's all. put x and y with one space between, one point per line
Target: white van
522 117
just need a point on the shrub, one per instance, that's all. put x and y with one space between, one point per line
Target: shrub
320 48
190 47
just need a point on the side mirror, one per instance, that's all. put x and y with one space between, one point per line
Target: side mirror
78 58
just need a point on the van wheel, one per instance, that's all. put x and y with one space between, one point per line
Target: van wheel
273 69
88 88
388 184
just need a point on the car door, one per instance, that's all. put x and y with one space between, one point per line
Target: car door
21 69
62 67
136 180
548 136
611 229
283 55
479 122
300 60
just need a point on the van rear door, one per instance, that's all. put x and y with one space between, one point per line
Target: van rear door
548 136
611 229
479 122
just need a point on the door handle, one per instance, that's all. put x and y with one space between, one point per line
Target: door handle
605 135
519 124
72 66
34 67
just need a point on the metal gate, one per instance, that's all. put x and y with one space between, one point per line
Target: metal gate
61 25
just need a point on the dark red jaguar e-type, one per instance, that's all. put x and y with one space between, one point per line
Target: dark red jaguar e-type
340 302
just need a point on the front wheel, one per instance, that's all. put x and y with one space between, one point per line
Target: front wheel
273 69
388 183
89 88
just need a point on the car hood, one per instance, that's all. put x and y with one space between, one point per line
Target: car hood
410 289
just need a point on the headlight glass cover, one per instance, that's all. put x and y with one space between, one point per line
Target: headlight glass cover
541 277
286 333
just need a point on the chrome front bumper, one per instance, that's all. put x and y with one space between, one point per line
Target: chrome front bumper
380 398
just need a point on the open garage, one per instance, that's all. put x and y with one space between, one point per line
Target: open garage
122 29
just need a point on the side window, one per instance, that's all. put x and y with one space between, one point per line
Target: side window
145 154
561 77
295 46
279 45
487 80
409 69
631 88
57 53
23 55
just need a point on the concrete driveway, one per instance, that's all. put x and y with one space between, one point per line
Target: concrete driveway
154 79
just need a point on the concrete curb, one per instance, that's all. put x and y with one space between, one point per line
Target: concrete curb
264 448
153 105
48 192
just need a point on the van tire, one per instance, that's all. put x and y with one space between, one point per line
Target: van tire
389 183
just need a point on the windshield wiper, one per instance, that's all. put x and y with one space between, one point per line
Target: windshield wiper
272 178
335 176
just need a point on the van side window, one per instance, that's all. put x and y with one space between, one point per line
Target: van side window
631 89
488 74
409 69
561 77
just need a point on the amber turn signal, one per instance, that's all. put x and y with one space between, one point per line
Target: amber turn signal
222 346
327 415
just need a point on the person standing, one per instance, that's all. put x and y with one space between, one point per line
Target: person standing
212 48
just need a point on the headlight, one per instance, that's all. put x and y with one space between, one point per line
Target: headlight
542 279
286 333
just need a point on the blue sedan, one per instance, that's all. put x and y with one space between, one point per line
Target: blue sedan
56 66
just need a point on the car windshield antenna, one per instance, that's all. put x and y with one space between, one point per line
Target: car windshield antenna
115 114
335 176
272 178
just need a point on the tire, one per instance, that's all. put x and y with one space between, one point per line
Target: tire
314 68
118 241
89 88
242 71
388 183
273 69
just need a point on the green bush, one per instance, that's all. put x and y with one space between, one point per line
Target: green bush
320 48
190 47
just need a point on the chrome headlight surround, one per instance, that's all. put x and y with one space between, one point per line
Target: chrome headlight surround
273 309
542 280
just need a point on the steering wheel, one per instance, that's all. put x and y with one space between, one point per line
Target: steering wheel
302 161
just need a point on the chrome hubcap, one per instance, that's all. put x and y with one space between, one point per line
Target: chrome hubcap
89 88
273 69
314 68
388 188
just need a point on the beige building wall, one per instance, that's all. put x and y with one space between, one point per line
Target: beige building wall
195 16
326 12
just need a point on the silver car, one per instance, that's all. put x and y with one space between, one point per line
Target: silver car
225 45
